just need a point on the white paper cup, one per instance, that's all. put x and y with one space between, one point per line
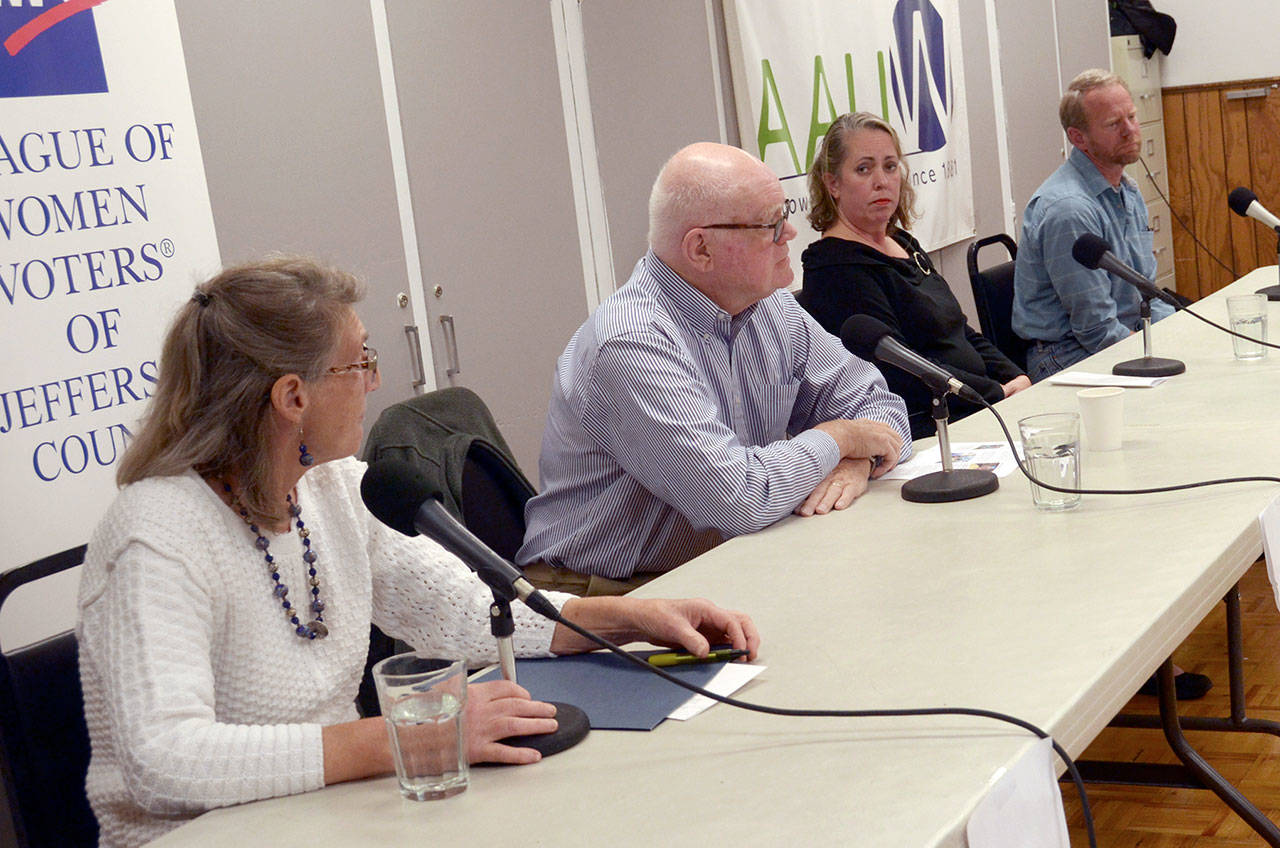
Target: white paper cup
1102 414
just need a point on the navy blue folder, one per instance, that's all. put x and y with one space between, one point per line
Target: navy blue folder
614 694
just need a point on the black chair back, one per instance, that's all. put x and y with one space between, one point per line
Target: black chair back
44 742
494 493
993 297
490 492
381 646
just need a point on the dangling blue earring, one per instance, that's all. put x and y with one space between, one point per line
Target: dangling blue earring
305 459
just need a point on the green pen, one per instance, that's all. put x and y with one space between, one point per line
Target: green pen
719 655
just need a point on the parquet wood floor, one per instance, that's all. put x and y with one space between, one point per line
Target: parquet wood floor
1141 817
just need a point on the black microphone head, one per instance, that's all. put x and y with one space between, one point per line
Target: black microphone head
1088 250
861 333
393 490
1239 200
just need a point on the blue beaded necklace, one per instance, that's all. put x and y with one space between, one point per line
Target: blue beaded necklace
314 629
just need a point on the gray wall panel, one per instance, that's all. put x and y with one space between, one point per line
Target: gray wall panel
288 103
652 92
1031 92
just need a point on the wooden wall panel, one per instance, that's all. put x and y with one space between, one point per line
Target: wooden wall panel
1235 128
1208 188
1215 144
1179 168
1264 149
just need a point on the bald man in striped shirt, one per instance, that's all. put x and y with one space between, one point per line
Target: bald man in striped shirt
699 401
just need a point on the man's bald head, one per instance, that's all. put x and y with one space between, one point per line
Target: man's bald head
701 184
699 192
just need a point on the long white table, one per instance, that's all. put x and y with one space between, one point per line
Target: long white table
1056 618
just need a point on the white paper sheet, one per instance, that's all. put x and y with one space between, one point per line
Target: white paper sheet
1023 807
989 456
1088 378
731 678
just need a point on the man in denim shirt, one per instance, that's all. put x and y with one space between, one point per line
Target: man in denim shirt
1066 310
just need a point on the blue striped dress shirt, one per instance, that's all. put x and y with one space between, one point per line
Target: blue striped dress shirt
669 423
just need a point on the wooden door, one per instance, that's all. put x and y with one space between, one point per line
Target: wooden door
1221 136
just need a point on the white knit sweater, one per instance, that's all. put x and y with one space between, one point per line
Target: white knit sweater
197 692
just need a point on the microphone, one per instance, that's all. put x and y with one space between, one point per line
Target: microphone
1245 203
1094 252
870 338
402 499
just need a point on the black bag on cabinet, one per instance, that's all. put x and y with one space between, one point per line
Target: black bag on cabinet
1138 17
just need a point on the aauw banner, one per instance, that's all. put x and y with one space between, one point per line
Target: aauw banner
797 66
104 226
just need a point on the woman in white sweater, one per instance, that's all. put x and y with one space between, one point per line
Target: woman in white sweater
226 596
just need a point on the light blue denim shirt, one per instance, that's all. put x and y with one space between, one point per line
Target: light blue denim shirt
1058 300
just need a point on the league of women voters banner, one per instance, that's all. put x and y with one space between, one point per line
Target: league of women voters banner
797 66
105 225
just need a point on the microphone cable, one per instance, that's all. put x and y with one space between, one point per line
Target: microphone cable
1259 478
1199 317
1183 223
1076 778
882 713
1090 249
391 476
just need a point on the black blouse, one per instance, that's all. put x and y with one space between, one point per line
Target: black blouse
843 278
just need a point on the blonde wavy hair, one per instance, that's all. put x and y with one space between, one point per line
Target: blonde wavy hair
823 212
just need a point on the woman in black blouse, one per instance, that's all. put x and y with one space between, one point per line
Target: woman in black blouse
867 263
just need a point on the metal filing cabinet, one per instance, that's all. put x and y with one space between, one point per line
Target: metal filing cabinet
1143 76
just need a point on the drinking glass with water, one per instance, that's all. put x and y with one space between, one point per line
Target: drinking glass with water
1051 449
422 700
1247 314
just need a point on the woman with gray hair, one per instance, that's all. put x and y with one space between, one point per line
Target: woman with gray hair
227 594
868 264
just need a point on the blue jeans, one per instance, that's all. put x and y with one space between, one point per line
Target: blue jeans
1045 358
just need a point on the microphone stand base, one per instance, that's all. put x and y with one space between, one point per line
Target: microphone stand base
573 728
947 486
1272 292
1149 366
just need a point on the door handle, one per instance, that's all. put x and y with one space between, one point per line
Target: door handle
1246 93
415 355
451 346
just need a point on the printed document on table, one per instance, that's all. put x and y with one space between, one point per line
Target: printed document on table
987 456
1088 378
